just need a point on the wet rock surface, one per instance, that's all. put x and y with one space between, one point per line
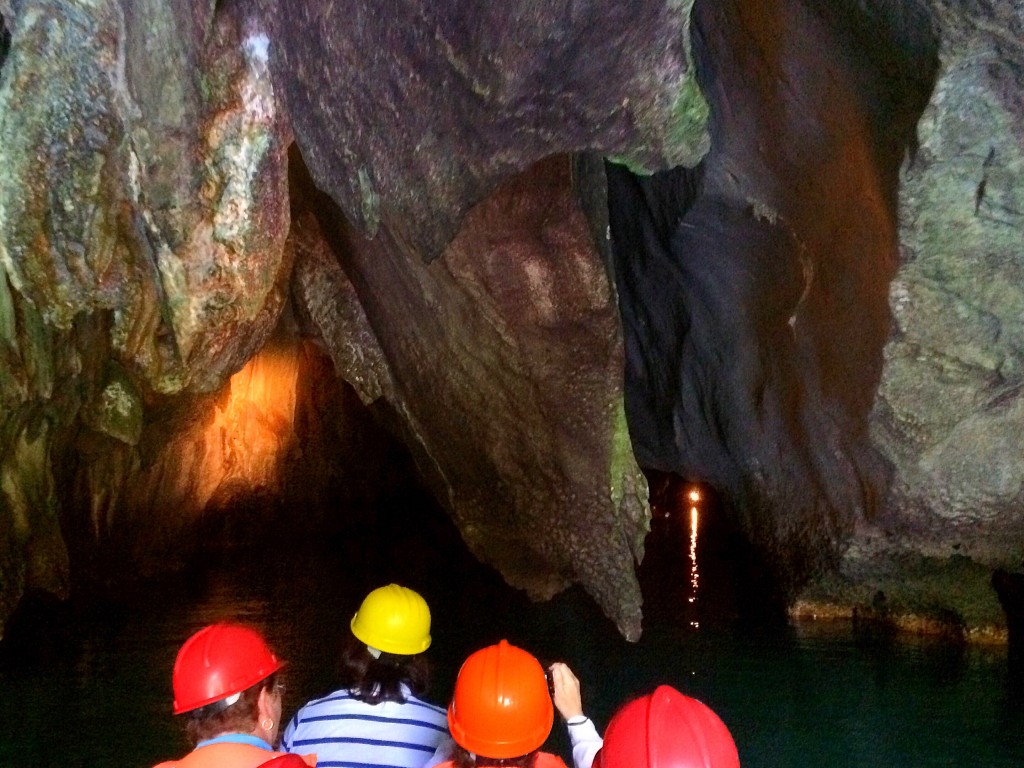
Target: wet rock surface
797 280
408 119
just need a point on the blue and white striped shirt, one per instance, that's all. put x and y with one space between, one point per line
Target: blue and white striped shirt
345 732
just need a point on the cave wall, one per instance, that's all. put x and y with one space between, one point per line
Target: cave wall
949 409
160 266
143 224
804 289
950 405
755 286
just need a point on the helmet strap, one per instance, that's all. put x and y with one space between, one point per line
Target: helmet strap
373 651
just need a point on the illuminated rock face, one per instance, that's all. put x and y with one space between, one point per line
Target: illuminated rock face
143 217
771 314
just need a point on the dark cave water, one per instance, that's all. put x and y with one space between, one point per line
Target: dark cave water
89 684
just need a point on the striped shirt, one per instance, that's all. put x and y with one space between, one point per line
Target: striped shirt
345 732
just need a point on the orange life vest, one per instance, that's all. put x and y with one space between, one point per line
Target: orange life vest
544 760
229 755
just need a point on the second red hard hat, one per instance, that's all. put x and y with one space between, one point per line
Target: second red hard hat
666 729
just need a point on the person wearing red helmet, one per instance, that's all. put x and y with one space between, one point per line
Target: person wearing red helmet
666 729
501 712
226 685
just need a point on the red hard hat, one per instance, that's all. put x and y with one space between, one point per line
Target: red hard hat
501 707
218 661
666 729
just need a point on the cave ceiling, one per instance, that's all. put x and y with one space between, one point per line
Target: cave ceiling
772 246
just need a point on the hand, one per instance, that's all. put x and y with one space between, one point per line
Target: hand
566 694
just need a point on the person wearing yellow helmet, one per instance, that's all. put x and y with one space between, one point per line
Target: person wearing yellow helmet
377 718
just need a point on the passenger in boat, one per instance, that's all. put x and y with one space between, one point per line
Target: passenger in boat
227 685
502 710
583 735
378 718
666 729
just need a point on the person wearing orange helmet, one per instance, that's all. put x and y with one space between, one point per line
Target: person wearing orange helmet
378 718
666 729
502 711
227 686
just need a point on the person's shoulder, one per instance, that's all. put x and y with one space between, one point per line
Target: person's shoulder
335 697
432 711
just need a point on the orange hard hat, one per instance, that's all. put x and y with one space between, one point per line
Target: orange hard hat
666 729
501 707
219 661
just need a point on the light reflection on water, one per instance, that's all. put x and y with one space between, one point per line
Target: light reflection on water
93 689
694 498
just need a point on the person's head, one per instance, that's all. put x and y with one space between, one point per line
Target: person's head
384 656
501 712
666 729
226 680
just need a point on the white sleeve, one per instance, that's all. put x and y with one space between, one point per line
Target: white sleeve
585 741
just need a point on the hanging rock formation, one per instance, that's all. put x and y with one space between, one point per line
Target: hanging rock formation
156 269
811 281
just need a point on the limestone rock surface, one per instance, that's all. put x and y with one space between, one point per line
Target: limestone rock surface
476 93
950 411
143 216
798 279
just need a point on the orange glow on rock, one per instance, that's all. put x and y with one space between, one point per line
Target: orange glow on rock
252 432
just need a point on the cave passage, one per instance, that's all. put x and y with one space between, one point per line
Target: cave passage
535 322
699 570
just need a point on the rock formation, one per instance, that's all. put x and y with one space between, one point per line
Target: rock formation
773 246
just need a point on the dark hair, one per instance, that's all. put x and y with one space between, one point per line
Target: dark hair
214 719
463 758
375 680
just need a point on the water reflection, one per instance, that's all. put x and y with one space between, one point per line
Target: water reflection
694 497
91 685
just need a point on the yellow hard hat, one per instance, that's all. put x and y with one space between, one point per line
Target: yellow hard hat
393 619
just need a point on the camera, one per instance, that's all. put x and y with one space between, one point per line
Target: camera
550 680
